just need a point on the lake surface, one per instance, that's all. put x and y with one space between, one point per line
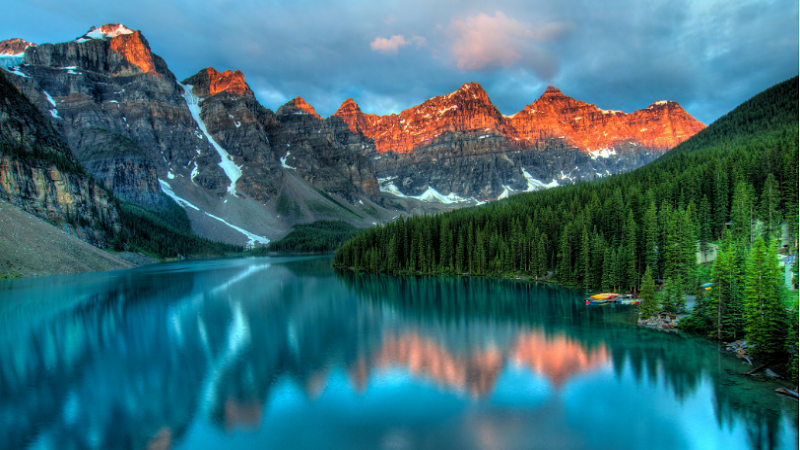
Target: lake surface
284 353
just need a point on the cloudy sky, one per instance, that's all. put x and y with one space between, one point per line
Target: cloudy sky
708 55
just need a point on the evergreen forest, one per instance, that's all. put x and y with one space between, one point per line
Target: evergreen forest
317 237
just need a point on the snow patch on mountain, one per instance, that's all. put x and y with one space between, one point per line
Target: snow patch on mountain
11 65
504 194
168 190
602 153
228 166
252 238
283 162
430 195
53 112
534 184
105 32
9 61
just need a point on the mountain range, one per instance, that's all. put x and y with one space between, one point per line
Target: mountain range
245 174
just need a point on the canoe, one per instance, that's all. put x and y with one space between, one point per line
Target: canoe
590 301
605 296
630 302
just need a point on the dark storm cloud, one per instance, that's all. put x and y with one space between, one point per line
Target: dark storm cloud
620 54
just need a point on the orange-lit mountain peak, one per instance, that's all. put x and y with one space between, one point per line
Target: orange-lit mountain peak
210 82
348 107
472 88
468 93
553 91
15 46
130 44
356 120
107 31
301 104
661 126
661 104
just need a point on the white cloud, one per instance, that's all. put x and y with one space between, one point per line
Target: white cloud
484 42
390 45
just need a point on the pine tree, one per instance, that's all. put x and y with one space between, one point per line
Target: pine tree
764 313
721 197
565 253
688 248
741 213
793 344
704 226
672 300
609 269
585 260
768 208
631 273
391 261
649 305
651 238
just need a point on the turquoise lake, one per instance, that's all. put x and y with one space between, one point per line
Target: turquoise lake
286 353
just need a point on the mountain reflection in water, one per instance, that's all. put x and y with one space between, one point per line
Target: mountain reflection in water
284 353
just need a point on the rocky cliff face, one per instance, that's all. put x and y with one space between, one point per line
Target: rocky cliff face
270 144
109 79
120 165
319 156
39 173
114 82
206 141
460 146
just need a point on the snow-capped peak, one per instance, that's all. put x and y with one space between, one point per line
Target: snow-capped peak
14 47
107 31
658 103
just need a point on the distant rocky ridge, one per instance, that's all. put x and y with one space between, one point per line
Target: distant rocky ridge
440 143
661 126
246 174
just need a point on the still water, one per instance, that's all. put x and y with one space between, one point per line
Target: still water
284 353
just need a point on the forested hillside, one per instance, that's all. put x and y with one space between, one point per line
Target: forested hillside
316 237
604 234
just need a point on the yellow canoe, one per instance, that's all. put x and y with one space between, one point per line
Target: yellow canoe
605 296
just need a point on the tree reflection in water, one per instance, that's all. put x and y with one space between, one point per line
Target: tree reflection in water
140 359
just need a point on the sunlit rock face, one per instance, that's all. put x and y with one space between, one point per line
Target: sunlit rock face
460 143
210 82
661 126
298 105
111 49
